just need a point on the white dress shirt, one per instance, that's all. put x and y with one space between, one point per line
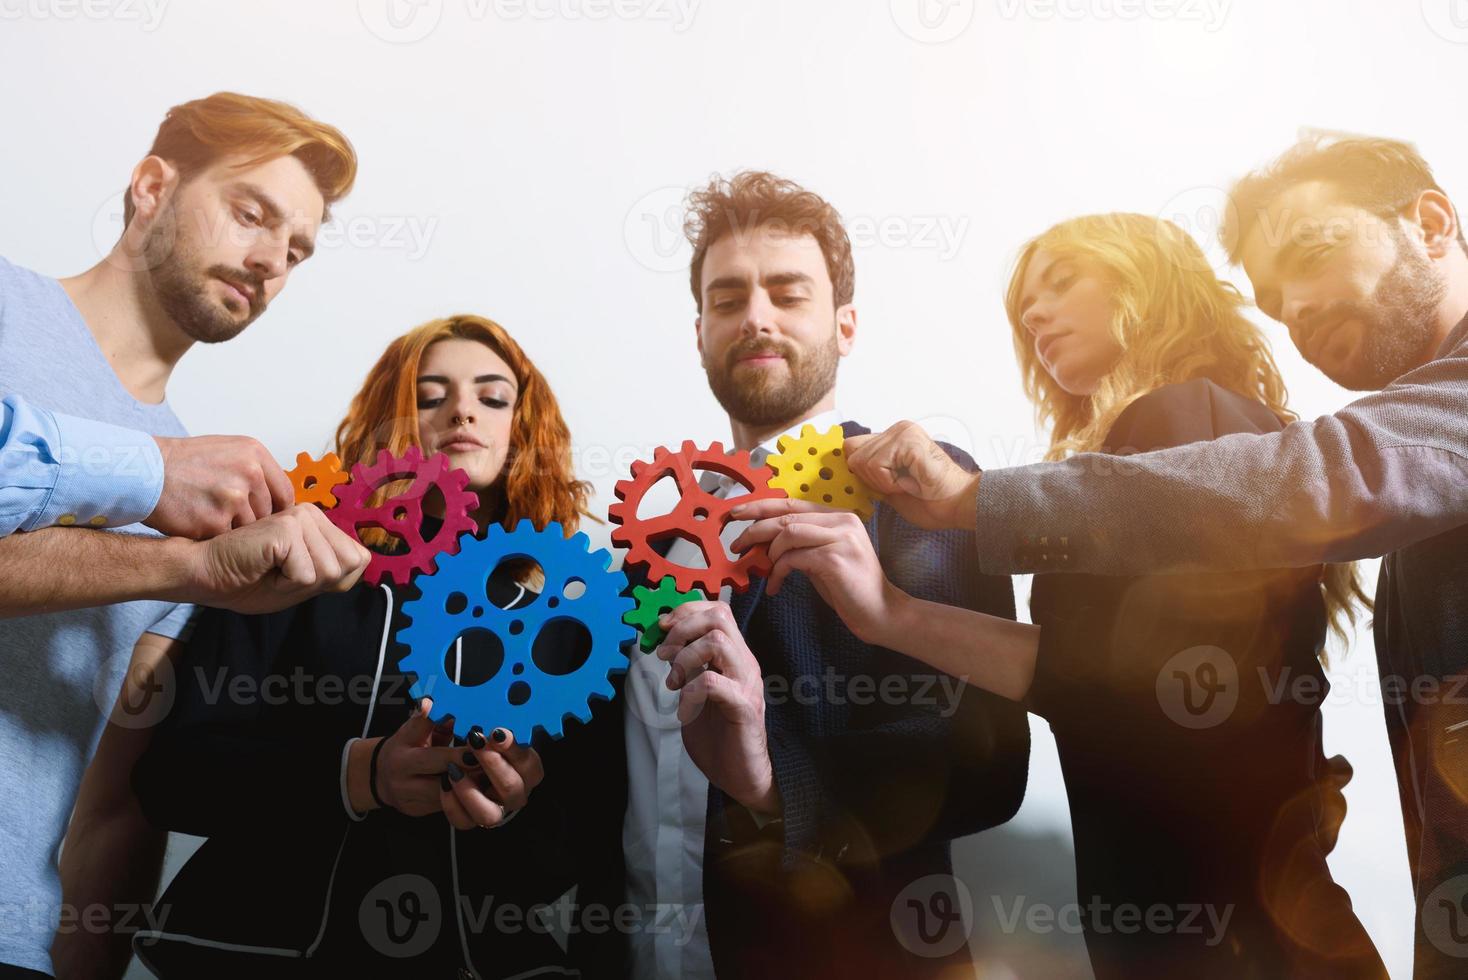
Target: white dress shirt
667 795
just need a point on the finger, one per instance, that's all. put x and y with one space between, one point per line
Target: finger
508 785
481 809
713 651
351 555
418 728
258 499
277 484
707 687
453 810
295 562
757 510
524 759
323 556
800 560
805 535
854 444
690 621
767 530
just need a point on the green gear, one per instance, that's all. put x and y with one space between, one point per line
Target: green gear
652 603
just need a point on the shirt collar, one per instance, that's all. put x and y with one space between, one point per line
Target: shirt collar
720 485
770 447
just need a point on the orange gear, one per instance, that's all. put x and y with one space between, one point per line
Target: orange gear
699 517
316 480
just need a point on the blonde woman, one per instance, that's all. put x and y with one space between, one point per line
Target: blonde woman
1186 708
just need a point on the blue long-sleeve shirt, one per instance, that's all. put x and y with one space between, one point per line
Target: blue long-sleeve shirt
63 470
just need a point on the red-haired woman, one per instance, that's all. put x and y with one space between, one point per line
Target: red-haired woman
441 865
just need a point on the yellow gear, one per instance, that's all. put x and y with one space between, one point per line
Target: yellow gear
813 467
315 480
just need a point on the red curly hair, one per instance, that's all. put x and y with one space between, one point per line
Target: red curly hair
538 481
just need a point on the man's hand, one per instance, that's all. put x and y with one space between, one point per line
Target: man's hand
916 477
721 703
833 550
214 483
275 563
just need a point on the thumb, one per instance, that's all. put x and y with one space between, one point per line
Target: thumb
418 729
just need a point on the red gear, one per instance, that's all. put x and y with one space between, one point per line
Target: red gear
699 517
402 514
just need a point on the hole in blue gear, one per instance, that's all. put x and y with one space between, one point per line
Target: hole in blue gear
562 647
519 693
475 657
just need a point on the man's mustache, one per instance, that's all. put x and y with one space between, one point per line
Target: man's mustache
758 349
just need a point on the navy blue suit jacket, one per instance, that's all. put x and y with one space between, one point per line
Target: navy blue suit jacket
873 788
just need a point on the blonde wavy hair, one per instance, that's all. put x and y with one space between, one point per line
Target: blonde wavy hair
1174 321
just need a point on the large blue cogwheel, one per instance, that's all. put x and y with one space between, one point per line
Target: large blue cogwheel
520 696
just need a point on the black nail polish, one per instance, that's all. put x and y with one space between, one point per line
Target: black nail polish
455 773
443 781
470 761
476 737
500 734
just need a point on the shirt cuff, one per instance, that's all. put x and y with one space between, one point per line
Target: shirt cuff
346 797
107 476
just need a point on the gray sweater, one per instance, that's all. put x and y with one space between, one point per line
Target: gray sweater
1386 471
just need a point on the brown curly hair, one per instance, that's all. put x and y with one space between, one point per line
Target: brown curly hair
756 198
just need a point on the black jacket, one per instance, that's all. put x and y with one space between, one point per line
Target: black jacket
873 793
250 757
1186 713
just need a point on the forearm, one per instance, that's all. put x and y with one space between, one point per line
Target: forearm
989 652
59 569
110 867
1373 478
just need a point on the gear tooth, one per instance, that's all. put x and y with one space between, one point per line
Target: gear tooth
688 447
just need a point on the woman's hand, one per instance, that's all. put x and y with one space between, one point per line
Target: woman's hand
409 767
833 550
489 781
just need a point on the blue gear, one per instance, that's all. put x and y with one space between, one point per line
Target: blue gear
544 699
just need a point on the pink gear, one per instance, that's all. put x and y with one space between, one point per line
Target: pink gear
699 517
402 513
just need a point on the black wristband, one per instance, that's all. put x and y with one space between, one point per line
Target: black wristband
372 772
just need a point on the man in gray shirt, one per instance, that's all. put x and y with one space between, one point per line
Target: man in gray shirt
227 202
1357 250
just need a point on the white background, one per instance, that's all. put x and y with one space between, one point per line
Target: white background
524 160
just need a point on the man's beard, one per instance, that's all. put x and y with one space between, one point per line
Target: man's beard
761 400
184 294
1398 322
